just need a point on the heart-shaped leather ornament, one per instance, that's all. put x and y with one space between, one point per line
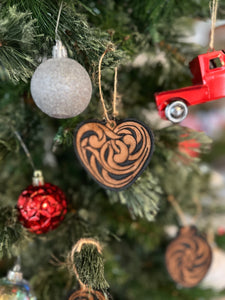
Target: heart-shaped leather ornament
114 153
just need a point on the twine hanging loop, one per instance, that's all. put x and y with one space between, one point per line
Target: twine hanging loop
180 213
115 112
213 8
76 249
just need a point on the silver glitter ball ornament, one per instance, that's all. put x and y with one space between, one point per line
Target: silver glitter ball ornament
61 87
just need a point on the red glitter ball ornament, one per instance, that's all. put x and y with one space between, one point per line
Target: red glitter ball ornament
42 206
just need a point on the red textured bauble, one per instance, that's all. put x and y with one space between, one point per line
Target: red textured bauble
41 208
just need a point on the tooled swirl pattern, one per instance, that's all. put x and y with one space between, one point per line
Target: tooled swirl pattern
188 257
115 156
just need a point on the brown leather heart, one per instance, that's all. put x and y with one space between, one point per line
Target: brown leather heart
114 153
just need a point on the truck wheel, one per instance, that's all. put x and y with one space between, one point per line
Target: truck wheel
176 111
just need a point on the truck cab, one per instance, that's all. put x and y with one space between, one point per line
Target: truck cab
208 83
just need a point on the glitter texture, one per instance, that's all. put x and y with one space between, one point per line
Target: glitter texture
61 88
41 208
15 290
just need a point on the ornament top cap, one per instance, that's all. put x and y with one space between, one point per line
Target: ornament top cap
38 178
15 275
59 51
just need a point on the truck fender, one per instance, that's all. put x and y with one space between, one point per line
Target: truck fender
177 99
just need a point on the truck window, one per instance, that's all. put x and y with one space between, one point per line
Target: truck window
215 63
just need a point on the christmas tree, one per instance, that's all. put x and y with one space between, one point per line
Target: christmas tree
150 43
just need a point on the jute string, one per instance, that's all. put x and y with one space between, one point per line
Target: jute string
115 113
77 248
180 212
181 215
211 236
213 5
198 209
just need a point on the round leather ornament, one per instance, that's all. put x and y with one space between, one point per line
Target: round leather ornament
87 294
188 257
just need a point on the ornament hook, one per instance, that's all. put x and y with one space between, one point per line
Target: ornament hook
57 22
15 275
38 178
58 50
27 152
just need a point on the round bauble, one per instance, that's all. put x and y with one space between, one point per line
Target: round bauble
14 287
15 291
41 208
61 87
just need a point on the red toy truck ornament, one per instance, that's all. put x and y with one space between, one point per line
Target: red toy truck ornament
208 81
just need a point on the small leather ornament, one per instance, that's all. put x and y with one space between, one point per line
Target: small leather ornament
188 257
114 153
87 294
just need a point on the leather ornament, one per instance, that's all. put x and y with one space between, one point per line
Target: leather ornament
114 153
86 294
188 257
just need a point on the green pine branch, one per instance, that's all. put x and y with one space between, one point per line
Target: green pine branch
142 198
17 37
12 233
